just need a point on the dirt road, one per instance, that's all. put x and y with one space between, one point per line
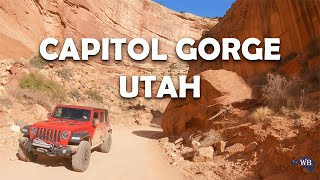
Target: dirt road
135 154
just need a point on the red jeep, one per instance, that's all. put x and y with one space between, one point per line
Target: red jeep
70 131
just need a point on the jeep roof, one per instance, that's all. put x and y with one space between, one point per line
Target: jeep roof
79 107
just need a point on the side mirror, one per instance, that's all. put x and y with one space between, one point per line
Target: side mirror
48 115
95 121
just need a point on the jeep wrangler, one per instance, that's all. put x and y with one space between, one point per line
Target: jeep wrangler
70 131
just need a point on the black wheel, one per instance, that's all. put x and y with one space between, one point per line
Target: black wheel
25 155
106 145
81 160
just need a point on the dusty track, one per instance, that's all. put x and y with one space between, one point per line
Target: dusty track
135 154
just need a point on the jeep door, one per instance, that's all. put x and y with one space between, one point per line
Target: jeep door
105 122
99 126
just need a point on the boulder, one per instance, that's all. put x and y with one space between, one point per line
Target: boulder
210 138
178 141
39 112
187 152
218 88
251 147
195 145
15 128
237 147
204 154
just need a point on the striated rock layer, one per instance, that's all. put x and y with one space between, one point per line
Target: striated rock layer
25 23
295 22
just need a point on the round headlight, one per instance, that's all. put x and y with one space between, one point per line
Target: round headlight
64 135
34 130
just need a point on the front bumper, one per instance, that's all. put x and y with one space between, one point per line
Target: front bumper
50 150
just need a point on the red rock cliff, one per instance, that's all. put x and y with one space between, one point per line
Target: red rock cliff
295 22
25 23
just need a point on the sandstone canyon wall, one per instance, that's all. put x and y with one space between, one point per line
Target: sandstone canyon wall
25 23
295 22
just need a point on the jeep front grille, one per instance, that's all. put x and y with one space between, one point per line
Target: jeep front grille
45 134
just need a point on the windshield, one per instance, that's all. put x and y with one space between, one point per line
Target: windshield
72 114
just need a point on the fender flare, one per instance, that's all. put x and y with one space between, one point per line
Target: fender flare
76 138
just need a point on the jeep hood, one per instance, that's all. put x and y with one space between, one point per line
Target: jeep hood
62 125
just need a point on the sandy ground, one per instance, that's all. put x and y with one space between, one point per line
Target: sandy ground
135 154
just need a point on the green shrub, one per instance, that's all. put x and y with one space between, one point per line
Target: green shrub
37 82
75 94
64 73
95 95
38 62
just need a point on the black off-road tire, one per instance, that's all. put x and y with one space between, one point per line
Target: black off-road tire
81 159
106 145
25 155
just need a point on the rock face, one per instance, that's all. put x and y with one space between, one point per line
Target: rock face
218 88
26 23
39 112
296 23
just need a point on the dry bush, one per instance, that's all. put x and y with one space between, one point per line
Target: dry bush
284 111
280 91
38 62
210 138
32 97
311 80
293 114
6 102
262 114
64 73
95 95
75 94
